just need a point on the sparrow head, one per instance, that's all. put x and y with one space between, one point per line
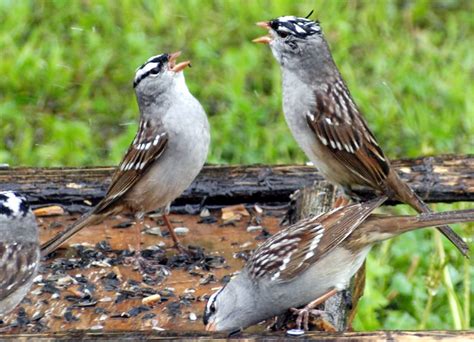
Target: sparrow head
159 73
13 205
293 40
233 307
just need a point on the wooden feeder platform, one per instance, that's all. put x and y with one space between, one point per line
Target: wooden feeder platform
92 289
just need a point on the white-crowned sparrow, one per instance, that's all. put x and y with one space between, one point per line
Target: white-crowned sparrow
312 259
325 120
19 250
168 151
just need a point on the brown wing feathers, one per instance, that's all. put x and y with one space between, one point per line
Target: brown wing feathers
340 127
148 145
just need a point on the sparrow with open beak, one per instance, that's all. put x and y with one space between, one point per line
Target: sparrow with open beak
325 120
168 151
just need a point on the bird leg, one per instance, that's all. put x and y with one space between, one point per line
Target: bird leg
177 244
137 259
303 314
343 197
341 201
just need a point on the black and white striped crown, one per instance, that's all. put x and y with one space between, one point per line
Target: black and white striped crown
151 67
296 26
13 204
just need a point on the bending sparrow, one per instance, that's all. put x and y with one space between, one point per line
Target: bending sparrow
168 151
19 250
314 258
325 120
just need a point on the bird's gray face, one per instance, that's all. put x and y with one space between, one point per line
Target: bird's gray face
158 74
294 41
231 310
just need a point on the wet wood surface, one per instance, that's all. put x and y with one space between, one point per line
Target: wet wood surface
104 294
436 179
389 336
74 295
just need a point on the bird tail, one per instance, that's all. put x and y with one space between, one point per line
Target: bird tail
389 226
54 243
405 194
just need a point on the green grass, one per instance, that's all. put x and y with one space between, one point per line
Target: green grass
66 98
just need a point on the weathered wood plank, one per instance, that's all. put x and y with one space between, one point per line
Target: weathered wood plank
319 336
436 179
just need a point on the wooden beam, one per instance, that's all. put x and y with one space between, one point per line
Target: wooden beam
436 179
315 200
455 336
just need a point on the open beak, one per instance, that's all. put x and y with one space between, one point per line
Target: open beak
177 67
263 39
211 326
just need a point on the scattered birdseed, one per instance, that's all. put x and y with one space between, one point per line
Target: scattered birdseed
207 220
244 255
148 315
150 300
246 244
138 310
181 231
37 316
209 278
174 309
187 298
205 213
251 229
125 224
100 283
53 210
69 317
154 231
265 234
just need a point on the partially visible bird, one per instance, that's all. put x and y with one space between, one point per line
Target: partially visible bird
308 262
168 152
325 120
19 250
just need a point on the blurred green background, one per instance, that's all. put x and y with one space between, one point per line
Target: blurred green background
66 99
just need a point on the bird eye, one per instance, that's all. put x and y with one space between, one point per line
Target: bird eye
283 34
154 71
213 308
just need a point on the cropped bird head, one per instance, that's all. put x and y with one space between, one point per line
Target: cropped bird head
159 73
13 205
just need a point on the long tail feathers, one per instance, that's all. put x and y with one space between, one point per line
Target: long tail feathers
408 196
54 243
395 225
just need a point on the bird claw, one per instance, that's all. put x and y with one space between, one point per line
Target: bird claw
303 317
